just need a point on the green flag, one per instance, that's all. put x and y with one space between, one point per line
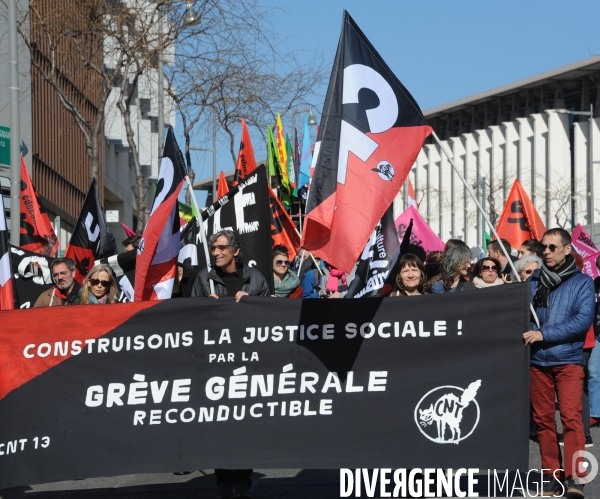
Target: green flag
487 238
291 169
275 168
186 212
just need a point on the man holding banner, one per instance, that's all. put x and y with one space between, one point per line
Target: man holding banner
564 302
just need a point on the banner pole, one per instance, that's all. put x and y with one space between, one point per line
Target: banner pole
483 214
202 234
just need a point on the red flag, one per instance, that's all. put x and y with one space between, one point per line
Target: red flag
371 132
37 234
519 220
411 197
158 249
6 283
283 229
222 189
245 162
91 239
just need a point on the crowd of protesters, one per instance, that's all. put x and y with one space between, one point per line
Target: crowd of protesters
565 365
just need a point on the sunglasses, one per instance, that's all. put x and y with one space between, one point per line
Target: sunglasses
220 247
282 263
95 282
528 271
491 268
551 247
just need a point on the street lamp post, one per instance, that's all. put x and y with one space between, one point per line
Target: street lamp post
589 113
15 128
214 153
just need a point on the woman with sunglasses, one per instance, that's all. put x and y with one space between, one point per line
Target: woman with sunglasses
99 287
527 264
486 273
285 280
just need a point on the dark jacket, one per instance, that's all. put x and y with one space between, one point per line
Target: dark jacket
565 322
254 283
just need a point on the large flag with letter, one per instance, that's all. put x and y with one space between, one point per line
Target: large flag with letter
375 262
6 282
283 229
91 239
158 249
422 235
246 163
245 210
519 220
371 132
36 233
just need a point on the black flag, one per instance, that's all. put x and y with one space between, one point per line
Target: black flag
376 259
91 239
245 210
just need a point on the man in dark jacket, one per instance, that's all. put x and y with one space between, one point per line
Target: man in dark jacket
231 278
65 290
564 301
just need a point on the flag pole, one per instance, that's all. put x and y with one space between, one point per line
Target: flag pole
483 214
202 233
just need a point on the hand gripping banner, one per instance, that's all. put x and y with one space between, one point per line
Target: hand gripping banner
161 386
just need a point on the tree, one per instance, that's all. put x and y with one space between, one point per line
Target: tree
233 70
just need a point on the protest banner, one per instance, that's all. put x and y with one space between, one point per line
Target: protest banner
161 386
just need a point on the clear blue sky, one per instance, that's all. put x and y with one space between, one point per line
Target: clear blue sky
441 50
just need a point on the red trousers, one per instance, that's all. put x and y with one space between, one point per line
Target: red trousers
566 382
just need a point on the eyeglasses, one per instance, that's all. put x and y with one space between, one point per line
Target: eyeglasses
491 268
551 247
220 247
61 274
95 282
282 263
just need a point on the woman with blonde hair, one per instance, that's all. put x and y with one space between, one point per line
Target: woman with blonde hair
99 287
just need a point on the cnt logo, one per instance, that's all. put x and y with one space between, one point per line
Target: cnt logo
454 411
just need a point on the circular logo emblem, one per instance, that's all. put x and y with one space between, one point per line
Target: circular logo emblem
448 414
385 170
140 249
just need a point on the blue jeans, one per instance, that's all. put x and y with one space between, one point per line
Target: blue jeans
594 381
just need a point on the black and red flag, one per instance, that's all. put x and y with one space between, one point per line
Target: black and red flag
245 162
370 134
377 259
37 234
6 283
158 249
91 239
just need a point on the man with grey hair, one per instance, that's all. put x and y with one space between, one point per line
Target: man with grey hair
231 278
229 274
65 290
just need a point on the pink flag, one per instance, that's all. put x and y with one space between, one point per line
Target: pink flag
422 235
589 266
583 244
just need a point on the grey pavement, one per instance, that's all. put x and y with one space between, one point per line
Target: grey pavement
293 484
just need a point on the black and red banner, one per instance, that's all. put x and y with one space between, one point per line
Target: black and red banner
91 239
426 381
245 210
37 233
371 132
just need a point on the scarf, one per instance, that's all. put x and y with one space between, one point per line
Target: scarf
289 282
480 283
96 301
550 280
333 280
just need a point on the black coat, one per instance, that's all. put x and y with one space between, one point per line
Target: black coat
254 283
